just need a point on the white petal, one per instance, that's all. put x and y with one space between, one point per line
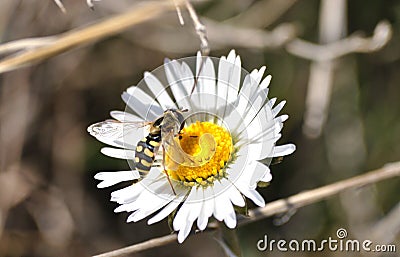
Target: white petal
221 201
183 213
270 131
112 142
228 81
258 99
140 201
180 220
267 177
271 102
183 233
256 198
262 122
115 177
180 80
262 149
159 91
195 207
278 108
283 150
251 111
118 153
157 202
235 80
206 76
127 194
237 168
230 219
244 176
247 90
128 207
141 103
235 197
259 148
223 209
282 118
260 172
253 195
260 91
206 97
167 209
125 116
231 56
265 83
245 183
276 137
207 208
260 74
234 121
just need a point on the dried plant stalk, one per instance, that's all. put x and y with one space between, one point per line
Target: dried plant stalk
280 206
140 13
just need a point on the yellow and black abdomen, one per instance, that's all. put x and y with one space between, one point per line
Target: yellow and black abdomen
145 152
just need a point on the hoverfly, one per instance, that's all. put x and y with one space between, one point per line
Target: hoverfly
162 132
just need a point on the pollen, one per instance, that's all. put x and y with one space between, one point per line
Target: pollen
212 168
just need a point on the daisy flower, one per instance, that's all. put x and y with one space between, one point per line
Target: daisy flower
223 100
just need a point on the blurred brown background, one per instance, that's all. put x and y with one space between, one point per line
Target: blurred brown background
49 203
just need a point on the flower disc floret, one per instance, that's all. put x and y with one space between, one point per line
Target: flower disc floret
215 167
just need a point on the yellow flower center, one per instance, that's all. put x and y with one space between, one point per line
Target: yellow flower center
215 167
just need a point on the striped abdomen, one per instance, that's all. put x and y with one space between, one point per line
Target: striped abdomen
145 152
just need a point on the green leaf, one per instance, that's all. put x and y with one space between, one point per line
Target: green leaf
242 210
171 220
276 160
262 184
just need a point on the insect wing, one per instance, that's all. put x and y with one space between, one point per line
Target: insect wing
175 153
114 129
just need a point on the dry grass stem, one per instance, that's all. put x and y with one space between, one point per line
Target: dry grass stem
308 197
352 44
155 242
140 13
280 206
255 16
60 5
25 44
200 29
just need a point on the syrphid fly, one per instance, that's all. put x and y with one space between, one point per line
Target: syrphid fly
162 132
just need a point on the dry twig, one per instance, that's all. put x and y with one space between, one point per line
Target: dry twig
219 34
200 29
155 242
352 44
25 44
281 206
332 24
60 5
223 35
255 16
69 40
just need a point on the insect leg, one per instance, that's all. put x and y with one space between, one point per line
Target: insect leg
166 173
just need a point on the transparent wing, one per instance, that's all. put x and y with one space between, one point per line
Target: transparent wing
114 128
